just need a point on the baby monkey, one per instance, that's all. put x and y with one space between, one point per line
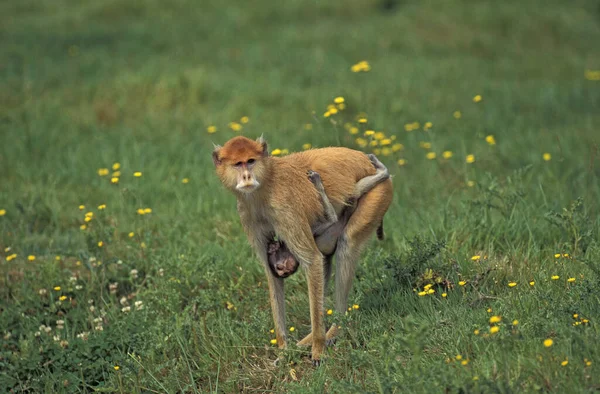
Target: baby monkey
326 233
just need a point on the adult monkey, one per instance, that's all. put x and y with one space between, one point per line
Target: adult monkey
274 197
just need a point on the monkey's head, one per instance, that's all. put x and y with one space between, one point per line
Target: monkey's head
242 164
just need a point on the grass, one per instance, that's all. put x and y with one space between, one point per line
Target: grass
87 85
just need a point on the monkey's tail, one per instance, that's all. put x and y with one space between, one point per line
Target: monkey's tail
380 234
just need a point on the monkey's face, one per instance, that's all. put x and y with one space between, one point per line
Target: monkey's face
240 164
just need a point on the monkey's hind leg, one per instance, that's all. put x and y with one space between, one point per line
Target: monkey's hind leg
365 220
330 215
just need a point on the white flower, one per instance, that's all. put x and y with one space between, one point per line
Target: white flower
126 309
92 308
56 338
78 287
123 300
99 328
43 292
73 279
138 305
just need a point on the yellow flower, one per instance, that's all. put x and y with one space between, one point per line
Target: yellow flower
401 162
427 286
362 66
31 257
353 130
361 142
82 227
116 174
57 288
458 357
494 329
276 152
464 362
457 115
476 257
555 277
114 180
333 110
341 106
185 180
330 312
557 255
338 100
422 293
235 126
430 291
571 280
116 367
62 298
515 322
564 363
425 145
547 156
592 75
548 342
447 154
100 244
285 151
272 331
137 174
211 129
575 315
495 319
490 140
355 306
101 207
369 133
116 166
386 141
430 155
81 207
273 341
462 283
131 234
476 332
306 146
512 284
140 211
57 258
102 171
2 212
470 159
444 295
147 210
327 114
362 120
428 125
532 283
470 183
477 98
588 363
397 147
373 143
386 151
489 310
585 321
244 119
292 329
11 257
565 255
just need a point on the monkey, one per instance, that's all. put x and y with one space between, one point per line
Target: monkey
284 264
275 198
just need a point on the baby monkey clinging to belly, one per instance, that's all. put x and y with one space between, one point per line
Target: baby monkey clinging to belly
326 233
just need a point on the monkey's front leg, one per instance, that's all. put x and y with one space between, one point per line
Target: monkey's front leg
276 293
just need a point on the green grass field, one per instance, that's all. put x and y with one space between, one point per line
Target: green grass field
486 113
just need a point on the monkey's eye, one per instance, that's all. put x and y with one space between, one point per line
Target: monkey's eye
251 161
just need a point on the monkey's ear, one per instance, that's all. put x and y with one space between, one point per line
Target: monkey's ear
263 143
215 155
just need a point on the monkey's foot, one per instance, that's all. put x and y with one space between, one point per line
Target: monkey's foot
314 177
318 363
329 337
375 161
